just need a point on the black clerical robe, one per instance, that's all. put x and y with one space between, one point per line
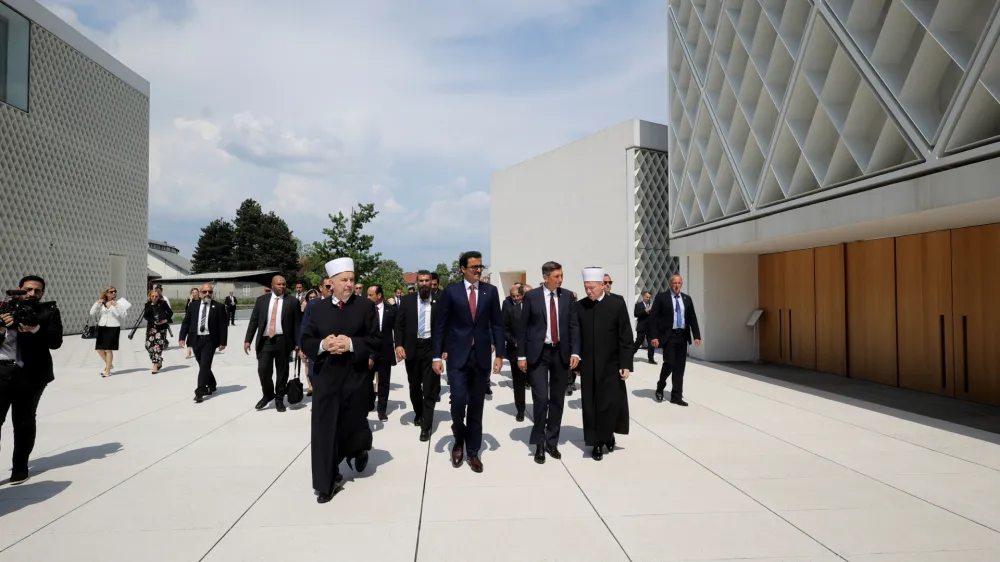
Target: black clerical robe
606 347
340 398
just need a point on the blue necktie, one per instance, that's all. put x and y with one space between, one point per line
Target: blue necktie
420 320
677 311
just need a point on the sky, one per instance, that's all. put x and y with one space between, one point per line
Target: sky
314 106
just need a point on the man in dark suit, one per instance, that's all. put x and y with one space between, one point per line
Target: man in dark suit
26 368
231 308
512 308
469 320
674 322
414 326
204 329
275 321
642 331
384 358
548 347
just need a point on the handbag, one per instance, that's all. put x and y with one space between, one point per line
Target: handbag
89 330
294 390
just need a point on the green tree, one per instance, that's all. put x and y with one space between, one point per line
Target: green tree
214 251
278 249
345 238
248 239
389 275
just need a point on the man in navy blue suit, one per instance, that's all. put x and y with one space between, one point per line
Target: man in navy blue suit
470 312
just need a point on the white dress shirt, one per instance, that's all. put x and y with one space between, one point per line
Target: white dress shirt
424 304
108 316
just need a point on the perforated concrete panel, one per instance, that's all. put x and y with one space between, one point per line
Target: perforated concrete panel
653 264
774 100
74 180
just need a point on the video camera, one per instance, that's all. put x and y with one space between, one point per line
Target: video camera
24 311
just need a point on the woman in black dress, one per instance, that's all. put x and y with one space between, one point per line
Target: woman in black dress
157 315
109 327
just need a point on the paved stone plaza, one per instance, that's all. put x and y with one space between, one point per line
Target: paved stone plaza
130 468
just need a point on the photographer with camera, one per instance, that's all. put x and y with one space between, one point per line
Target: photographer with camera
29 329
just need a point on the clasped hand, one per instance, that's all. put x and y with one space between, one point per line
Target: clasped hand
337 345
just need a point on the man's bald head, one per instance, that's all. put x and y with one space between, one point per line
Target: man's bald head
278 285
206 291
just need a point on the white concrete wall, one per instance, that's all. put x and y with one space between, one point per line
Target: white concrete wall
567 205
724 290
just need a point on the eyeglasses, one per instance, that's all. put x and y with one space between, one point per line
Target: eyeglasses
207 292
608 282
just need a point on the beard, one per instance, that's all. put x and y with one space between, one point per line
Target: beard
425 292
206 298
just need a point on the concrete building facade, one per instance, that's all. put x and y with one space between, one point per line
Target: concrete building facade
74 163
611 186
833 164
166 260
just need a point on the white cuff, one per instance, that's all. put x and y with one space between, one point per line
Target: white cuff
522 358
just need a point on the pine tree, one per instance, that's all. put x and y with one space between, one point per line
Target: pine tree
214 251
248 238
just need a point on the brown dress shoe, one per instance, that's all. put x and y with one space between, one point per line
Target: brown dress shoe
475 464
457 454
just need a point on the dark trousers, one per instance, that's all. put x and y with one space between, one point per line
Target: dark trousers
519 379
204 354
674 360
642 336
468 392
425 384
549 377
232 315
384 369
21 398
271 358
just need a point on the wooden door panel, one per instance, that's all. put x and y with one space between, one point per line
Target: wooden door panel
831 310
975 271
800 308
924 312
871 310
770 289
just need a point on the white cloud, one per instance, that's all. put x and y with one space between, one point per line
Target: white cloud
313 106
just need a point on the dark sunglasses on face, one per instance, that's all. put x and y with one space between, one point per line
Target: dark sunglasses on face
608 282
207 292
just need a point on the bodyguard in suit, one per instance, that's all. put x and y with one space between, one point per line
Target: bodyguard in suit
512 308
231 308
469 321
275 321
548 347
384 358
204 330
642 331
26 369
414 326
674 323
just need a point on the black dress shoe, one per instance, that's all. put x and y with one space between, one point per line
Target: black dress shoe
653 362
262 403
19 477
597 453
679 402
211 390
539 454
519 417
418 421
361 462
279 404
198 399
323 498
659 396
611 447
382 416
489 391
553 451
425 435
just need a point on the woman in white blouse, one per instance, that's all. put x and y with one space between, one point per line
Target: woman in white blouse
109 327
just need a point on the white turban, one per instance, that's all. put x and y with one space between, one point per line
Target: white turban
593 274
338 266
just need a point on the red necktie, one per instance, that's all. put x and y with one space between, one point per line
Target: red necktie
472 301
553 321
340 304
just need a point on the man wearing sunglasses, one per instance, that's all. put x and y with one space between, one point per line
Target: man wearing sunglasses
204 329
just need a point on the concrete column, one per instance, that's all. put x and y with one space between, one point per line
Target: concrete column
724 290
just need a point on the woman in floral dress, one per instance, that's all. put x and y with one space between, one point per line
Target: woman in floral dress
157 315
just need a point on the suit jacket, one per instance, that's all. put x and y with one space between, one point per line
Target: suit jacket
260 318
305 320
405 330
218 324
464 335
663 317
36 348
512 326
387 351
642 317
533 325
231 302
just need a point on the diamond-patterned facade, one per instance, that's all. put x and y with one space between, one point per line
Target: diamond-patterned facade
74 180
653 264
778 99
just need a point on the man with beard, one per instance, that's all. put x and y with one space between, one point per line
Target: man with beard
414 325
606 361
204 329
511 310
340 336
